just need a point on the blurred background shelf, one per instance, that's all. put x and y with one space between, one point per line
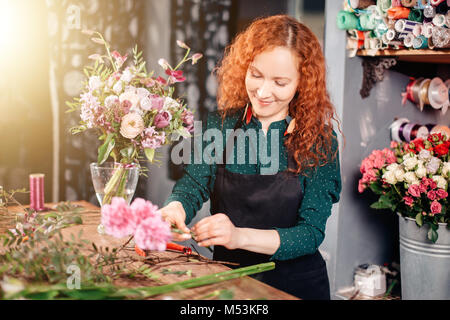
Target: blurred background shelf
427 56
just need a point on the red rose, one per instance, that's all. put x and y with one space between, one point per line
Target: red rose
441 193
442 149
417 144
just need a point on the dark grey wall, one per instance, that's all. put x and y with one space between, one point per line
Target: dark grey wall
358 234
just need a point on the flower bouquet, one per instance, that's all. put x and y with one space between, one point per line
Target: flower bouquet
411 179
133 112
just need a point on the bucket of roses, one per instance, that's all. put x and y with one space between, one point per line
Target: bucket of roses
411 179
133 114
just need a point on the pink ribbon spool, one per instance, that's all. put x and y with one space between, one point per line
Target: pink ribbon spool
37 192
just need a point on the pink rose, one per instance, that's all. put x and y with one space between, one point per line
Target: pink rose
414 190
157 102
435 207
408 201
431 195
422 188
162 119
441 193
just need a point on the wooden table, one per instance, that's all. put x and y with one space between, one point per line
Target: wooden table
242 288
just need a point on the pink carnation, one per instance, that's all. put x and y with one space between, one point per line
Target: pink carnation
142 209
414 190
153 234
361 186
408 201
118 218
366 164
435 207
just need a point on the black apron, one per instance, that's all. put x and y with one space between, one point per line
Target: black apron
265 202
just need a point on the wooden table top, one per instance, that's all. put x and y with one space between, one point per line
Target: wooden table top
242 288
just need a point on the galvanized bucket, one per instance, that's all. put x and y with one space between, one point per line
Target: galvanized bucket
424 265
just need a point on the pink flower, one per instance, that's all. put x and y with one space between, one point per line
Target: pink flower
120 60
435 207
162 119
157 102
153 234
432 195
422 188
414 190
394 144
175 76
390 156
379 162
441 193
361 186
142 209
188 119
118 218
366 164
408 201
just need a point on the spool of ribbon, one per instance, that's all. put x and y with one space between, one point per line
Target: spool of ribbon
404 25
383 5
439 20
441 129
435 3
398 13
422 132
423 93
408 94
441 37
361 4
367 21
438 96
396 129
421 4
420 42
408 40
427 30
37 191
409 3
396 3
416 15
417 31
416 90
346 20
429 12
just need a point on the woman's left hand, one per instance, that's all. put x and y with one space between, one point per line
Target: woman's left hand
216 230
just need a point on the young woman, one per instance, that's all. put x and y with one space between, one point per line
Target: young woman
272 83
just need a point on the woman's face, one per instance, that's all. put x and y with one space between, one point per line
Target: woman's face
271 83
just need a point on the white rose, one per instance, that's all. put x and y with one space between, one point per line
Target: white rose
421 172
111 100
142 92
132 125
94 83
170 103
409 162
389 177
410 177
440 181
399 175
424 154
146 104
392 167
446 169
117 88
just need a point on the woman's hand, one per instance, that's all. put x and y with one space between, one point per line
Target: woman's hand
217 230
174 214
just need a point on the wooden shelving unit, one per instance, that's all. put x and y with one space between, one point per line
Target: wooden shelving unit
425 56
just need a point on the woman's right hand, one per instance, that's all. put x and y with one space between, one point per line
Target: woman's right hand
174 214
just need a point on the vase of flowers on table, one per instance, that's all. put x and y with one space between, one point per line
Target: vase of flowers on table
411 179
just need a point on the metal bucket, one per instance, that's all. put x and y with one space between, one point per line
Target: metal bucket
424 265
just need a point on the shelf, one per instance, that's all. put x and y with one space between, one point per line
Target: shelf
427 56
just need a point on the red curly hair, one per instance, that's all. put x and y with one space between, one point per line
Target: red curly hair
311 141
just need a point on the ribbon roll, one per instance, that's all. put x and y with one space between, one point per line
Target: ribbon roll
441 129
361 4
429 12
346 20
420 42
427 30
407 131
422 132
439 20
441 37
367 21
408 95
396 3
438 94
417 31
403 25
409 3
416 90
435 3
423 93
408 40
398 13
421 4
383 5
416 15
431 44
396 129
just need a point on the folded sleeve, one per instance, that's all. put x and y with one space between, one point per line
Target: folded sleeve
194 187
321 189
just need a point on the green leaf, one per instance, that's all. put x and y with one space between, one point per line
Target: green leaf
432 234
376 188
226 294
150 154
127 152
419 219
384 202
105 149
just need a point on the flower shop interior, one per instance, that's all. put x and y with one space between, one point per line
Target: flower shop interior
369 90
